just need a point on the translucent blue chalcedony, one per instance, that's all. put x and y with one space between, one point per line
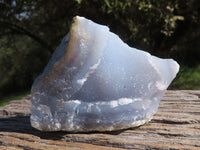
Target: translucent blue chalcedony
96 82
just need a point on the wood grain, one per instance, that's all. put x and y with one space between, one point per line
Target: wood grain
176 125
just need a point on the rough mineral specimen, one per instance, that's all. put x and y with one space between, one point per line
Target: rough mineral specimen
95 82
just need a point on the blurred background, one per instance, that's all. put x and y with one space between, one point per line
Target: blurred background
30 30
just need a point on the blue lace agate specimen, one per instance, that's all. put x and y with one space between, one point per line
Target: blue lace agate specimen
96 82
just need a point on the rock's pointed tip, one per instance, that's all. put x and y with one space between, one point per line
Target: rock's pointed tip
78 18
85 22
175 67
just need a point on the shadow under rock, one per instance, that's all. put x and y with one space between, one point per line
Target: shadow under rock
21 124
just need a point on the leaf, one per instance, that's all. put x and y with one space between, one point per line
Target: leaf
107 3
78 1
181 18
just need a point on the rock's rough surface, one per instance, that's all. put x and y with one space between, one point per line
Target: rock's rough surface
95 82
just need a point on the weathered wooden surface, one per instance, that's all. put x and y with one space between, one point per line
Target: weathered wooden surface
176 125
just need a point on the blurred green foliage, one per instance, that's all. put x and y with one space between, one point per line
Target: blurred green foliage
17 62
14 96
31 30
187 79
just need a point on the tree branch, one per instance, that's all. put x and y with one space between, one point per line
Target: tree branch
24 31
